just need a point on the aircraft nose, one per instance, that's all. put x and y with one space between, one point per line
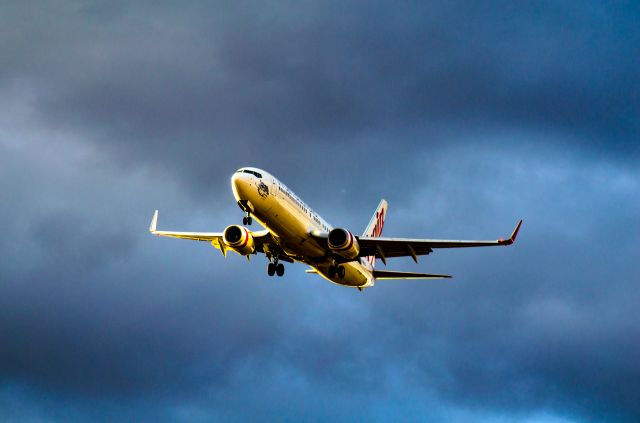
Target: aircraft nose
234 178
238 182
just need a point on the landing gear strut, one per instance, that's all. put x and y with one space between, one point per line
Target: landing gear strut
245 207
336 270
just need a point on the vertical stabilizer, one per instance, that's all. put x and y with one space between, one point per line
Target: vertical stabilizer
375 226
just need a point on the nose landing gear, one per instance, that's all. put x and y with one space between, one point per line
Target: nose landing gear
245 207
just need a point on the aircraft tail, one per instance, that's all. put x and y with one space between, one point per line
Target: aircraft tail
375 226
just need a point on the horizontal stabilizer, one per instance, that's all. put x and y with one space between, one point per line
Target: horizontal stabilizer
392 274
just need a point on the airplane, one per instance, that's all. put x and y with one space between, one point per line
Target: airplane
295 233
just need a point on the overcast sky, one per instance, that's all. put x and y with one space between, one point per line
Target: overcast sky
465 116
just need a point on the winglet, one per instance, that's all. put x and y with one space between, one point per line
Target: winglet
513 236
154 222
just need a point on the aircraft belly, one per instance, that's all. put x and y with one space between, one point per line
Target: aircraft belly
299 246
291 230
355 275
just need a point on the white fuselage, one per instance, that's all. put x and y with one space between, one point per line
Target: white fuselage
292 223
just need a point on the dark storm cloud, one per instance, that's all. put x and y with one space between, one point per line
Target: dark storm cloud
493 112
269 81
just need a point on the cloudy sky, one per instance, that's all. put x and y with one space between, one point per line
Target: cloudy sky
465 116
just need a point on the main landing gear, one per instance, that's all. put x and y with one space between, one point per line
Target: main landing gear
336 271
247 220
275 268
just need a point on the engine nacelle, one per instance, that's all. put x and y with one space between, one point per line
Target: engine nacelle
239 239
342 242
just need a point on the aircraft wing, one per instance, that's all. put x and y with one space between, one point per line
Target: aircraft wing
383 248
215 238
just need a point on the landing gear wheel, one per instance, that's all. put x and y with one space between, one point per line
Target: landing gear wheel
341 272
247 220
271 269
280 269
332 271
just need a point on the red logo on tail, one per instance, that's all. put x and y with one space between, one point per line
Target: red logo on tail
377 228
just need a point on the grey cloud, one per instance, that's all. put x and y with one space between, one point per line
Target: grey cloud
251 79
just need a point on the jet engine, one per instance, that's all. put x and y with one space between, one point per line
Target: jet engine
239 239
342 242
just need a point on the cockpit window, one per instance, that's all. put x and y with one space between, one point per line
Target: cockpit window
259 175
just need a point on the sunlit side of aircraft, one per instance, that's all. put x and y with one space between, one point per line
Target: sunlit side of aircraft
294 232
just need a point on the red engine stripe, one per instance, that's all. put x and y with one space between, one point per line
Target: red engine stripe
246 239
